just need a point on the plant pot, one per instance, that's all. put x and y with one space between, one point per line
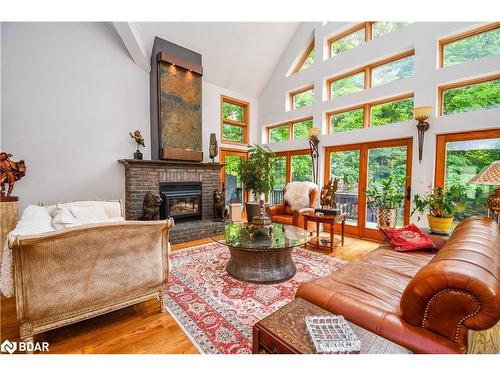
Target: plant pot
252 209
439 225
386 217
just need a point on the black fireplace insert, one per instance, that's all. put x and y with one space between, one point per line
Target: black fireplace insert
181 200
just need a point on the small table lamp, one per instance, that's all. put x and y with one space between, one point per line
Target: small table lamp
491 176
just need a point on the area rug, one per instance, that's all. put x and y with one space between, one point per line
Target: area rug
216 311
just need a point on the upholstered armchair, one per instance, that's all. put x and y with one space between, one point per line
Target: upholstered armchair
299 198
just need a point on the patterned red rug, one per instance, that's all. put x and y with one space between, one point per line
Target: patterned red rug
218 312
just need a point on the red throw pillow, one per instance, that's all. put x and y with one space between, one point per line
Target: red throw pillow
407 238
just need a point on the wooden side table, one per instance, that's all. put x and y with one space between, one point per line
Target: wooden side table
331 220
285 332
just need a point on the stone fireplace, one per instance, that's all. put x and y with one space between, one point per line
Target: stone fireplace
142 176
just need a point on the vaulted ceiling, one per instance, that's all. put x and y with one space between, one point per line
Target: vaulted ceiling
238 56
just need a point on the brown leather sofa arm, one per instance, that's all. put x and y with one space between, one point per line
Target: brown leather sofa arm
298 217
277 209
450 297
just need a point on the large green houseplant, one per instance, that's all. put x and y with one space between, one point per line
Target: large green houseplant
437 202
385 197
256 176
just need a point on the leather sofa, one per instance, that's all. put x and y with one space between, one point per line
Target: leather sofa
283 213
424 301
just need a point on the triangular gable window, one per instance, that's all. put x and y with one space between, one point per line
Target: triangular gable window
306 60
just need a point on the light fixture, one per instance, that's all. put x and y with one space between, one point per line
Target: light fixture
491 176
313 145
421 114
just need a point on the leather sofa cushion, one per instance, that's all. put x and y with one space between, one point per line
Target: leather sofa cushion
283 219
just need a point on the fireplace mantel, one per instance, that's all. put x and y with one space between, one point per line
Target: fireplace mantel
169 164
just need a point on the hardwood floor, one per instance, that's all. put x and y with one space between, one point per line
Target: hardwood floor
136 329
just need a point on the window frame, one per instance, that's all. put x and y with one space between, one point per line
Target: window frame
292 94
290 125
245 124
367 107
443 88
368 34
288 155
303 58
466 34
367 69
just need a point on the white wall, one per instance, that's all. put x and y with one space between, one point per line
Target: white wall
422 36
70 95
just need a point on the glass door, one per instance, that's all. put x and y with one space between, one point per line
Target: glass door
279 176
459 158
360 167
230 175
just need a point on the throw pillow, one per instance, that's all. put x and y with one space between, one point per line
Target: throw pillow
90 214
64 219
407 238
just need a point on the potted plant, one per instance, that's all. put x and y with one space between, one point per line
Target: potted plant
385 198
438 203
256 176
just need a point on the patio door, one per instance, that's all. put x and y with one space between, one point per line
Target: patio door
230 175
359 168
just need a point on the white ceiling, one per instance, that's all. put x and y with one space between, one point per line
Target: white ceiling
238 56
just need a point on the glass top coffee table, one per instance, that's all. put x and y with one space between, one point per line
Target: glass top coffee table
259 255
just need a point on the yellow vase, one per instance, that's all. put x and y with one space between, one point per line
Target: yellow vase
439 225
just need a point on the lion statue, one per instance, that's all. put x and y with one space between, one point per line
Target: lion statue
220 211
151 206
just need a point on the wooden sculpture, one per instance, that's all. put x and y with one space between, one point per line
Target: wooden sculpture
11 171
328 194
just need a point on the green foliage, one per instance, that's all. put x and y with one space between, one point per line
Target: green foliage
471 98
388 113
437 201
278 173
232 133
233 167
256 173
345 166
475 47
348 42
233 112
348 85
301 129
398 69
382 28
303 99
309 60
387 193
347 120
301 167
278 134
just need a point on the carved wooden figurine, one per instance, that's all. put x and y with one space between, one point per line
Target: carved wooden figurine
220 211
151 206
11 171
328 197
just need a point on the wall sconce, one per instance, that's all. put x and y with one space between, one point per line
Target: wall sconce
421 114
313 145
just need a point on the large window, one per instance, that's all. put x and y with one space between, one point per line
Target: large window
384 112
379 73
472 45
360 167
470 96
291 166
296 129
359 34
306 60
234 120
302 98
230 175
460 157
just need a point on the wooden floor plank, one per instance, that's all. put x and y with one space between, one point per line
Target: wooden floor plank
136 329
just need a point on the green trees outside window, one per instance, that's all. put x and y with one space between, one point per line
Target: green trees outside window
388 113
301 129
472 48
278 134
301 166
232 133
398 69
347 85
309 61
303 99
381 28
348 42
347 120
233 112
344 165
472 97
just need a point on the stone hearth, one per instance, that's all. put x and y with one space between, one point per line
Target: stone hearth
142 176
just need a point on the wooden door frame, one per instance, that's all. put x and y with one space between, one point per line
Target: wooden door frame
288 157
443 139
223 152
360 229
